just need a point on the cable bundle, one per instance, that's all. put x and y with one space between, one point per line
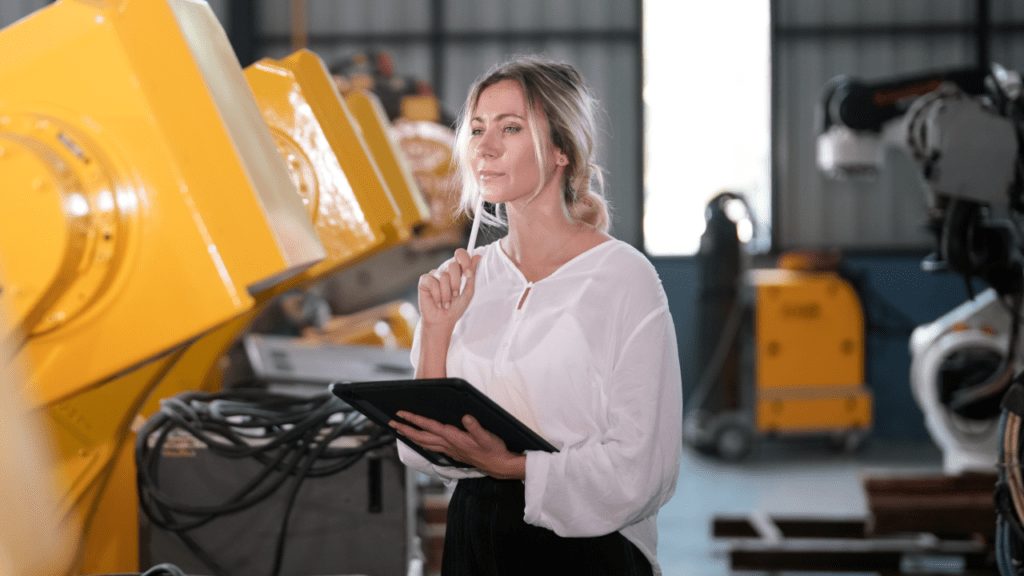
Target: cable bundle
289 436
1010 487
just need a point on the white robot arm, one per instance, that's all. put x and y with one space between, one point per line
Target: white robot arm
963 129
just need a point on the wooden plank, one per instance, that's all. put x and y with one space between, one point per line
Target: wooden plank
859 555
791 527
942 505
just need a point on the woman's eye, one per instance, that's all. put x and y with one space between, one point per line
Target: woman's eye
512 128
476 132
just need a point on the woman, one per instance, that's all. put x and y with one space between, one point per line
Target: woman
566 328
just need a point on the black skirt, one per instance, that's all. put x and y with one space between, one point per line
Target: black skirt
486 536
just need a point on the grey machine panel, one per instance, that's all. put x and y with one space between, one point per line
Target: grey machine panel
287 359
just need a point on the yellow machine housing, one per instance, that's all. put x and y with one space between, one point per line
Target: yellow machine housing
809 353
145 202
376 131
149 175
353 216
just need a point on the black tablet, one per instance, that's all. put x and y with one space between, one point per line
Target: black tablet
446 400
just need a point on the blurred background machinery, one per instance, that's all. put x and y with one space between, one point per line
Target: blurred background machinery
781 350
964 130
167 206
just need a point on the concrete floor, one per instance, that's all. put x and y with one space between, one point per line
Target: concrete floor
782 477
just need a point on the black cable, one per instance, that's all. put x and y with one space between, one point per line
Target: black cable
290 437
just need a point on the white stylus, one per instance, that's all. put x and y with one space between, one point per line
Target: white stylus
473 230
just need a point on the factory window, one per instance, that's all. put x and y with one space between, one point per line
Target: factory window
706 101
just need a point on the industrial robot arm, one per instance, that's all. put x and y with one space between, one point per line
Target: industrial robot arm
963 128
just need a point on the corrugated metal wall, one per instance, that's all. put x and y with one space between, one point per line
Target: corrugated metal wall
452 42
872 40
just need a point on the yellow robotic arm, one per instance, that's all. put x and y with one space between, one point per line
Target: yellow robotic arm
145 202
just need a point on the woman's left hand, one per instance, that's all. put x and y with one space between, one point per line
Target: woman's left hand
474 446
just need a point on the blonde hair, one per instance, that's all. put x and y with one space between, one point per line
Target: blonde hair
569 108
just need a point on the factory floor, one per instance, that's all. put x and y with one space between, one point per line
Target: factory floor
798 477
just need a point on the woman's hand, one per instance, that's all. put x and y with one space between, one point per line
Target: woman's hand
475 446
442 297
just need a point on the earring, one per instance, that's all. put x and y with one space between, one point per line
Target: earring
562 161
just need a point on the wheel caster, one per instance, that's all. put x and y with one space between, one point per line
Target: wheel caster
847 441
732 442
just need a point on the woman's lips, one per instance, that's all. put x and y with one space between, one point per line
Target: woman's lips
488 175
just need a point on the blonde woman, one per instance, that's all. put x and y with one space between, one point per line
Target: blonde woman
564 326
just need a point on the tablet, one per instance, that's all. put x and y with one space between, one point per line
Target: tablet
446 400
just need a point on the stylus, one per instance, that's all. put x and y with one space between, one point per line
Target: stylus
474 229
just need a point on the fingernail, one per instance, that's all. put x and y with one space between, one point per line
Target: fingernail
468 420
446 305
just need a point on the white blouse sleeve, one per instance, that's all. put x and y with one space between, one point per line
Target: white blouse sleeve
625 475
414 459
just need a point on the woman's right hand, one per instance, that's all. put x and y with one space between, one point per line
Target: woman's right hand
442 297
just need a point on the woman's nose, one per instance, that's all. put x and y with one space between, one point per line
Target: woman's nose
488 144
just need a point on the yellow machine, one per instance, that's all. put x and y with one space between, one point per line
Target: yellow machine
789 357
153 207
809 354
337 176
144 201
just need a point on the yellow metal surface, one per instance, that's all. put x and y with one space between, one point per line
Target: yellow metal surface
427 148
809 334
813 410
423 108
389 325
373 121
145 200
119 140
809 329
297 100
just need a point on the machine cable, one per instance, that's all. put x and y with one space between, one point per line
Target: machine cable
1009 495
289 436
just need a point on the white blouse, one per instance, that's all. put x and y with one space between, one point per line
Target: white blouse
589 361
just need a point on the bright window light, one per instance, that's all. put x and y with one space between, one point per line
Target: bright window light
706 95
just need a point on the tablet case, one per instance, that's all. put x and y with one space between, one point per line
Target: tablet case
446 400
